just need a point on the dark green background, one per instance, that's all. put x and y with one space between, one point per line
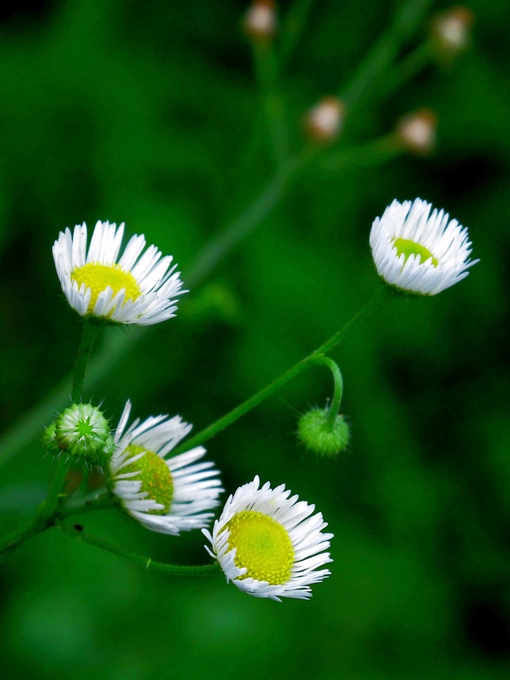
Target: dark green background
147 112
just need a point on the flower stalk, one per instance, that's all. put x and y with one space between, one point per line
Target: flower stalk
90 333
77 533
236 413
334 407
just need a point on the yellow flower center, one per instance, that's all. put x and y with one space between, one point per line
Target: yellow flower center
98 277
263 547
155 476
407 247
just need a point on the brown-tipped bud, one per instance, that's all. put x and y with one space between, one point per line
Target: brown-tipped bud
260 22
451 31
323 122
417 131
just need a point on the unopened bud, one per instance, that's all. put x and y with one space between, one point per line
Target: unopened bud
318 435
417 131
451 31
260 22
323 122
81 431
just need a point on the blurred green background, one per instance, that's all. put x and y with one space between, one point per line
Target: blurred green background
148 113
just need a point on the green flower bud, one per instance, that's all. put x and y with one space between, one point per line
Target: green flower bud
318 435
81 431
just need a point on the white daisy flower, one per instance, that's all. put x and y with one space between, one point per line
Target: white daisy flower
137 288
268 544
417 251
167 495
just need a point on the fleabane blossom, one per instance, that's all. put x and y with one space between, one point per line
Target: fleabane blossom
165 494
133 289
417 249
270 544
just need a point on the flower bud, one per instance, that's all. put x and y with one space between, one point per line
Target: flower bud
259 22
450 31
323 122
318 435
81 431
416 132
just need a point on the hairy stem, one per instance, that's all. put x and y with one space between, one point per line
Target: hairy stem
298 368
15 538
50 513
89 336
77 533
338 386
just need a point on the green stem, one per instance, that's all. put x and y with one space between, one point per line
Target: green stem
364 313
293 25
298 368
99 500
55 495
13 539
77 533
407 69
89 336
50 514
243 225
28 427
384 52
377 151
272 104
338 386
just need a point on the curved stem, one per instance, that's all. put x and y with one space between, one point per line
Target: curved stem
259 397
77 533
338 386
